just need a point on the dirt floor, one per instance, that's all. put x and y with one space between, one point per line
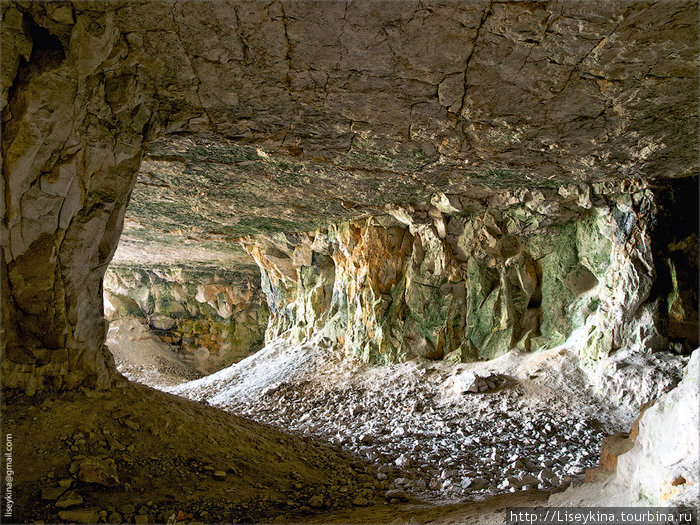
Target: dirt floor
305 436
491 511
439 439
137 454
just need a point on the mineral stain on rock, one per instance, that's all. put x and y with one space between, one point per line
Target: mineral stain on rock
467 283
212 318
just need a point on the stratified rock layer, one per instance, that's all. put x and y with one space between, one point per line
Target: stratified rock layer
212 318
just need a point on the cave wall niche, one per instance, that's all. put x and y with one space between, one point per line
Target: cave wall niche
86 86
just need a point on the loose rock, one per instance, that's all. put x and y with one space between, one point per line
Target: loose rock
102 471
90 515
69 499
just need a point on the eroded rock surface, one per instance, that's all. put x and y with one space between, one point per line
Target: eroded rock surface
466 278
471 178
212 318
657 463
662 468
397 101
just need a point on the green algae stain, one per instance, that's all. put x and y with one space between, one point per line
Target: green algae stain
365 155
201 153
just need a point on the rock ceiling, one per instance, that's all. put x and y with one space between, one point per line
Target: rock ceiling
260 117
287 115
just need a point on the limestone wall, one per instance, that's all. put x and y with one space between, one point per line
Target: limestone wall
662 467
466 278
657 462
212 318
390 99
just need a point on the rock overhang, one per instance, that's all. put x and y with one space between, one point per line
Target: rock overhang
305 113
387 101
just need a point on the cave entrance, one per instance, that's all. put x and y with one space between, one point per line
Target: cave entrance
182 297
185 299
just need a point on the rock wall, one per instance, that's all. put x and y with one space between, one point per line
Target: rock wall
72 143
662 467
467 278
394 98
657 462
212 318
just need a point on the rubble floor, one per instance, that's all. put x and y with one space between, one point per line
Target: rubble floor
438 439
299 433
531 424
172 460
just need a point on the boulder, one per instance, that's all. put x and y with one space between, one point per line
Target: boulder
102 471
161 322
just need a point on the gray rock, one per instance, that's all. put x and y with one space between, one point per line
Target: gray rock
52 493
402 461
397 494
463 382
161 322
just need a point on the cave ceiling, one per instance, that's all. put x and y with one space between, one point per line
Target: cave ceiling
283 116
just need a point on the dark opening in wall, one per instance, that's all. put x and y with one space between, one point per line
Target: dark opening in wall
675 248
47 49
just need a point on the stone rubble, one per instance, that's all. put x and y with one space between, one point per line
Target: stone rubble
102 471
82 487
415 437
441 451
427 439
88 515
70 499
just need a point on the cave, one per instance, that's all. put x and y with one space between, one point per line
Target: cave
348 262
